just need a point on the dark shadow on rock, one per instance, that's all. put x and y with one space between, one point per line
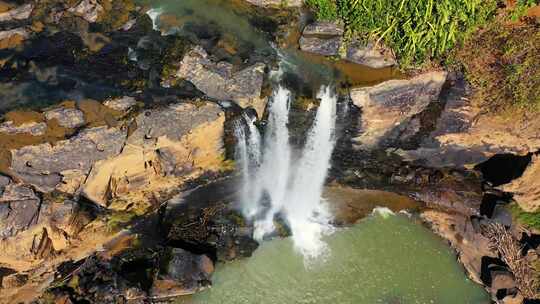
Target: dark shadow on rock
503 168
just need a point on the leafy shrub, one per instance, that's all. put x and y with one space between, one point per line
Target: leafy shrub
415 29
520 8
528 219
325 9
502 61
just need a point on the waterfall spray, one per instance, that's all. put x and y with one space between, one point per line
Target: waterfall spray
272 184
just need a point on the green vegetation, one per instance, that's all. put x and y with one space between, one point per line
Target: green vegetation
502 62
417 30
498 47
527 219
521 8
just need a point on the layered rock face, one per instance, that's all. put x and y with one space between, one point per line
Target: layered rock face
168 144
465 137
388 108
425 136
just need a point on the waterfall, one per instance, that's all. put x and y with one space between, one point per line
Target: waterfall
274 182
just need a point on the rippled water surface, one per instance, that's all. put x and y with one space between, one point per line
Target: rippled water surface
383 259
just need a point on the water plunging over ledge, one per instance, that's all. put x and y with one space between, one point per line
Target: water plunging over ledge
385 258
276 182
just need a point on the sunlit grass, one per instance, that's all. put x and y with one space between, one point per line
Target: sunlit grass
416 30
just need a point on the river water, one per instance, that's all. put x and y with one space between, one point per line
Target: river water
385 258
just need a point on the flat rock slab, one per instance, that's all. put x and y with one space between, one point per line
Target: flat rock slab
173 122
19 13
388 107
321 46
370 55
277 3
219 80
324 28
32 128
78 153
122 104
68 118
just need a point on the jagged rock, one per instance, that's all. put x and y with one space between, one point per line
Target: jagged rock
182 273
19 209
370 55
136 275
502 215
526 188
465 135
388 107
122 104
470 244
32 128
19 13
68 118
36 229
174 141
90 10
502 279
12 38
219 80
277 3
78 153
14 280
215 228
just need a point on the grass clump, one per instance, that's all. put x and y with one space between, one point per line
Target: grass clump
502 62
324 9
528 219
417 30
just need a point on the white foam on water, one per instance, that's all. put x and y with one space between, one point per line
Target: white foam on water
383 212
154 14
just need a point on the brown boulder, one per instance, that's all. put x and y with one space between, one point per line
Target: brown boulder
182 273
388 107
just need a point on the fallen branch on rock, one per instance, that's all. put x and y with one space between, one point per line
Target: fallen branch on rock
510 252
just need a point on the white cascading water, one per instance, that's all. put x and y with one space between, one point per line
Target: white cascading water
276 182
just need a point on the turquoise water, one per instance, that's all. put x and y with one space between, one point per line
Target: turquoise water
383 259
